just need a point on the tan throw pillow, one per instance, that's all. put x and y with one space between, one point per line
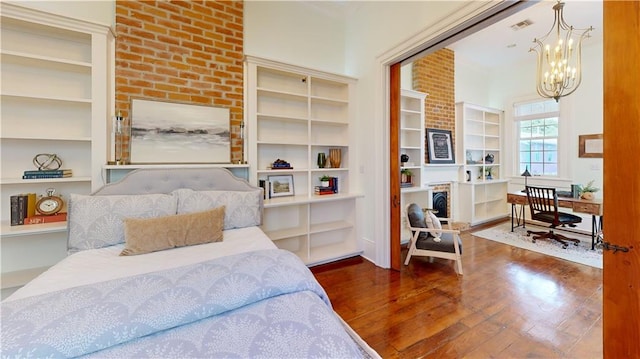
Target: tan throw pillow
145 235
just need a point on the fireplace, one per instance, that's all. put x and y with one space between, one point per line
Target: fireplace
440 204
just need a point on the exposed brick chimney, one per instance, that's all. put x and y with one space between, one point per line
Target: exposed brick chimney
181 51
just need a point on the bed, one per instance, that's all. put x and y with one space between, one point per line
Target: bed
172 263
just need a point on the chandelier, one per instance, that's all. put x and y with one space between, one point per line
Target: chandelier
558 72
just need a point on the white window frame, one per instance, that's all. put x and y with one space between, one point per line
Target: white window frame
561 138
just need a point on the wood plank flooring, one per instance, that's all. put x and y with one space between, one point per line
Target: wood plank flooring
510 303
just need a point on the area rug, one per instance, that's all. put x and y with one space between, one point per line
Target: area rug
581 253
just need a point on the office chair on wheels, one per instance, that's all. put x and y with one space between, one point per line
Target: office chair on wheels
543 203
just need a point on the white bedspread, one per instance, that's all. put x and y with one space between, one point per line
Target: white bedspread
97 265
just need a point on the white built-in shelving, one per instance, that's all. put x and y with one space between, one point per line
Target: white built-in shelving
479 132
412 144
293 114
54 100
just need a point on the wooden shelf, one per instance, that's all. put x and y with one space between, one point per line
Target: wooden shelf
44 180
29 229
177 165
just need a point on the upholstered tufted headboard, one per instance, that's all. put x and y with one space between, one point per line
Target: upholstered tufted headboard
158 180
96 221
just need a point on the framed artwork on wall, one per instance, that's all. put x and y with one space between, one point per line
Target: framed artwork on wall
590 146
440 146
281 186
165 132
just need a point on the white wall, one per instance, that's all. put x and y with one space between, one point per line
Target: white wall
296 33
472 83
97 11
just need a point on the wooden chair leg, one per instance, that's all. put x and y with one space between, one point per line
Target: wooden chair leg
409 254
459 265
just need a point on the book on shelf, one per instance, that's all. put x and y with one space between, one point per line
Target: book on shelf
333 183
39 219
266 186
23 205
31 204
15 212
49 172
43 175
320 190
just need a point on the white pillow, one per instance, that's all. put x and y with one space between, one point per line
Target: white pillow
433 222
242 208
97 221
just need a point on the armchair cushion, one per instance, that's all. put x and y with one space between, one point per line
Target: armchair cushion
445 244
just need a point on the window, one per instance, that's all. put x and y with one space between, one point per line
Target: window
538 137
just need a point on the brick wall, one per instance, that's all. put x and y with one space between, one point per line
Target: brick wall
435 75
181 51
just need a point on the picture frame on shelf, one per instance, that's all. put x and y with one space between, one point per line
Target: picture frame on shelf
281 186
440 146
167 132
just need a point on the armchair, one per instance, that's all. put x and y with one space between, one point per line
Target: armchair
543 203
431 241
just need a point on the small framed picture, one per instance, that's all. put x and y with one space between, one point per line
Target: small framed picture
440 146
281 186
590 146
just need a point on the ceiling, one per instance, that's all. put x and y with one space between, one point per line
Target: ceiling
498 44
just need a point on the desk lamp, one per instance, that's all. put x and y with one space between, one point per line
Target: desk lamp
525 174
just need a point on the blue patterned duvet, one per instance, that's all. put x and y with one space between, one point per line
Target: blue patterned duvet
262 304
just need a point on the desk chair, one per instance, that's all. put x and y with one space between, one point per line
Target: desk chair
431 241
543 203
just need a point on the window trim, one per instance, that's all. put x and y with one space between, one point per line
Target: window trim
516 131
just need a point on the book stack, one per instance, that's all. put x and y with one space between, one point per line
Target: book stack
61 173
23 211
331 189
22 206
320 190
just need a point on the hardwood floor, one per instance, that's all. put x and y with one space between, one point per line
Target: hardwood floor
510 303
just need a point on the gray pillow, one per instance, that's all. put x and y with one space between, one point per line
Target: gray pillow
416 216
97 221
242 208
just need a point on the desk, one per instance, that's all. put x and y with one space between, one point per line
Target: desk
592 207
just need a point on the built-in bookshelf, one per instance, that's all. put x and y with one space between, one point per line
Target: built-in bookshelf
294 114
412 144
482 192
54 101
